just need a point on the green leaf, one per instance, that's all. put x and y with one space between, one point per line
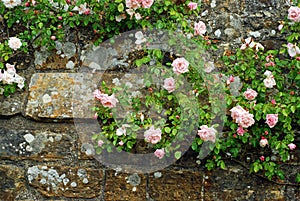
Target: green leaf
293 109
177 154
120 7
167 130
40 25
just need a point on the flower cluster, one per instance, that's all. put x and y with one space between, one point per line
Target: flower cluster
207 133
242 117
9 76
105 99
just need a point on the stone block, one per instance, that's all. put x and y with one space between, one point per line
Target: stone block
169 185
37 145
11 181
69 182
123 186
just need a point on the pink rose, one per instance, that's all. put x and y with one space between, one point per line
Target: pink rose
250 94
236 112
134 4
272 119
159 153
192 5
199 28
207 133
273 101
121 143
292 146
152 135
262 158
245 120
14 43
240 131
169 84
109 101
293 50
180 65
100 143
294 13
280 27
263 142
147 3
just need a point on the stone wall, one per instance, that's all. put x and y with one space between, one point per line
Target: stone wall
42 157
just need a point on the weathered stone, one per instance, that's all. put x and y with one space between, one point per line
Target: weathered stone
237 184
177 185
120 187
51 95
70 182
11 181
37 145
11 105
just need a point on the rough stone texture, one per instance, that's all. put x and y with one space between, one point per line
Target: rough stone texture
11 182
69 182
36 145
11 106
176 185
118 188
51 95
237 184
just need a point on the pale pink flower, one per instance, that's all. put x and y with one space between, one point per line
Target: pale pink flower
14 43
137 16
294 13
95 115
250 94
242 117
121 143
271 120
134 4
263 142
207 133
292 146
169 84
245 120
199 28
152 135
11 3
122 130
271 63
293 50
240 131
99 95
109 101
192 5
180 65
10 68
247 43
100 143
159 153
269 82
280 27
236 112
147 3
